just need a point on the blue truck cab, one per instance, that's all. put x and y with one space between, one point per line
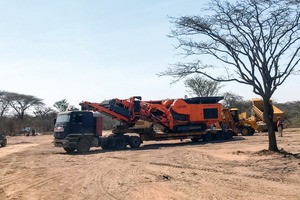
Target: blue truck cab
78 130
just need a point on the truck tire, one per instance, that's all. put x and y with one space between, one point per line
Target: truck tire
245 131
83 145
69 150
208 137
4 143
120 142
229 135
134 141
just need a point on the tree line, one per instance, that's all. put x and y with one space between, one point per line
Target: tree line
20 113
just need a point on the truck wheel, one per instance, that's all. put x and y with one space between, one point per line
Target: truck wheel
229 135
4 143
245 131
69 150
134 141
120 142
83 145
208 137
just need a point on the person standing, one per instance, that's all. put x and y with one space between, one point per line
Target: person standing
279 126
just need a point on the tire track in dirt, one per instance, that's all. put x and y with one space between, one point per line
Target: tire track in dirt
15 149
149 183
22 173
102 183
19 180
33 185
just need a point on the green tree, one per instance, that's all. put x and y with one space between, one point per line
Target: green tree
202 87
255 42
61 105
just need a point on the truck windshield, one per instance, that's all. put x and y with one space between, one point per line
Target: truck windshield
63 118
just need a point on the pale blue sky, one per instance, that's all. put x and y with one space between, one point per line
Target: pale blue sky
94 50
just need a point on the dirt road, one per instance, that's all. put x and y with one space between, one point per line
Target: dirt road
31 168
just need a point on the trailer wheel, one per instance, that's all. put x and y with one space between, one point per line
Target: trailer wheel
83 145
134 141
245 131
69 150
110 144
195 139
120 142
208 137
229 135
4 143
104 147
219 135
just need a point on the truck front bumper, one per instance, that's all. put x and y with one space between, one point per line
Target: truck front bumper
65 143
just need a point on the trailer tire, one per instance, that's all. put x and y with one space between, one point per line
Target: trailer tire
121 127
83 145
208 137
195 139
134 141
120 142
219 135
109 144
229 135
69 150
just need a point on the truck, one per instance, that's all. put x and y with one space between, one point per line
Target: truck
3 140
258 111
190 118
248 125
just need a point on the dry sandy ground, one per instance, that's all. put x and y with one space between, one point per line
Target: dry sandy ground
31 168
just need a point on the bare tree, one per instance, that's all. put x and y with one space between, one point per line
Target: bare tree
61 105
21 102
4 103
202 87
255 41
232 100
43 112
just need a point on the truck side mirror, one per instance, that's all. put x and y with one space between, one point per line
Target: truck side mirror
54 121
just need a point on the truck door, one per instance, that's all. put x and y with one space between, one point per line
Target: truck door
88 122
76 125
82 123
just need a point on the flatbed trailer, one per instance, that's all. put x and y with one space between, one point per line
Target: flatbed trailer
150 134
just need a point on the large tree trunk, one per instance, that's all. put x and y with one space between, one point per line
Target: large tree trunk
268 117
